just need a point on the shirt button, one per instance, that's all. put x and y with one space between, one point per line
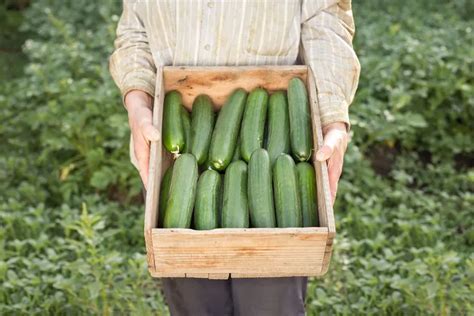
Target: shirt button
207 47
210 4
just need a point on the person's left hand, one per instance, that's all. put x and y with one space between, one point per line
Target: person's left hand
333 149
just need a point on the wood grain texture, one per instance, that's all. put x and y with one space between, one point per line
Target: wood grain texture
154 172
237 253
219 82
155 274
218 276
210 276
325 209
327 257
279 275
255 252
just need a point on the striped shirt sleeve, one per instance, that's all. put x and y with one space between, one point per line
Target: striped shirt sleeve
326 36
131 64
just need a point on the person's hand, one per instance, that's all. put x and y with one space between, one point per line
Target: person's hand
333 149
139 106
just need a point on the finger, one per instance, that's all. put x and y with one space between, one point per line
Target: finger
333 181
334 172
334 139
144 177
330 142
142 152
150 132
143 169
324 153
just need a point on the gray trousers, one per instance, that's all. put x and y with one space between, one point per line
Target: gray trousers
237 297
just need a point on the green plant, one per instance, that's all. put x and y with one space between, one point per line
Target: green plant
71 214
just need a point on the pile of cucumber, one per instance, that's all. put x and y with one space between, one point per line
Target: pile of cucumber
246 156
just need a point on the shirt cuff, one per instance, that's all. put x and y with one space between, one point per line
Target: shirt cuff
139 83
332 113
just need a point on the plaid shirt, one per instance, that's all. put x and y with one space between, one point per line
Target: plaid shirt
319 33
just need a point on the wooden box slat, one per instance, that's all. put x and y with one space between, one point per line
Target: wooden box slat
325 210
242 251
219 82
236 253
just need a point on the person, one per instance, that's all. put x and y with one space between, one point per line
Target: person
319 33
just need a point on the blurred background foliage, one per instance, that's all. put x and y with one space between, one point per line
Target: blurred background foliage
71 212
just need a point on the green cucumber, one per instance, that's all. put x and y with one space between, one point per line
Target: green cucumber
235 212
164 194
186 119
307 188
205 166
173 131
226 131
202 125
300 120
237 155
207 205
179 209
278 127
260 191
285 188
253 123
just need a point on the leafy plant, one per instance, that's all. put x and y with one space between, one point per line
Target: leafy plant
71 224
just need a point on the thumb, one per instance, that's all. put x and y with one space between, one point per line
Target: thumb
328 147
150 132
324 153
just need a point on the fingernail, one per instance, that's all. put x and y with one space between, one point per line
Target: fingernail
320 156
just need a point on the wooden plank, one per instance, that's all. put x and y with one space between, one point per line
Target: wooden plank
325 209
219 82
256 251
219 276
210 276
154 173
327 260
166 275
149 249
198 275
327 256
316 272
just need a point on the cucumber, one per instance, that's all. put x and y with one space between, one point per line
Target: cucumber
201 128
237 155
307 188
278 127
164 194
179 209
235 212
253 123
173 131
186 121
205 166
260 191
226 131
300 120
285 187
207 205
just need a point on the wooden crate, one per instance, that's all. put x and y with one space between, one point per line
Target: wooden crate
239 253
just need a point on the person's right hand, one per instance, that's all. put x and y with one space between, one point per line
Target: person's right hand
139 105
